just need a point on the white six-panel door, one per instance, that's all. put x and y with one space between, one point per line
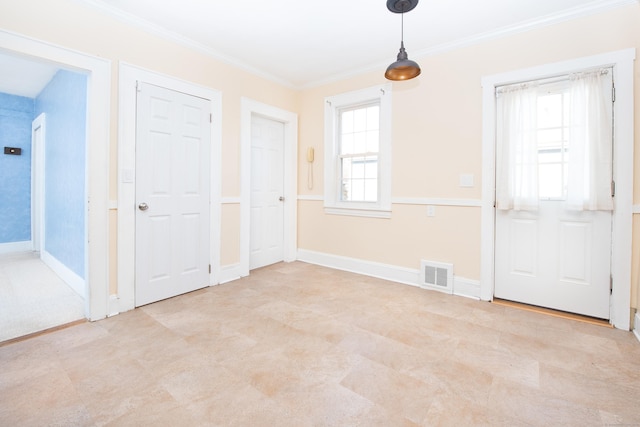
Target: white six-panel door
267 192
555 258
172 193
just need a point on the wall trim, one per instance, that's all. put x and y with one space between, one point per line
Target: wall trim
311 197
407 276
229 273
636 330
74 281
7 248
436 201
231 200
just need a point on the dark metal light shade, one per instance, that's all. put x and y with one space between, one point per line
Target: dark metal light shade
403 68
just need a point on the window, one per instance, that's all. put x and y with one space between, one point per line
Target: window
358 152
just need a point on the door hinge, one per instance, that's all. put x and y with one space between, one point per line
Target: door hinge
613 92
209 268
613 189
210 117
610 285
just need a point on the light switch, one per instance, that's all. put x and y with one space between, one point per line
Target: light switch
431 210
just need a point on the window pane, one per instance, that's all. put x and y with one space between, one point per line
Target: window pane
371 190
550 156
371 168
357 168
360 142
347 146
346 122
373 117
360 120
550 110
550 138
373 141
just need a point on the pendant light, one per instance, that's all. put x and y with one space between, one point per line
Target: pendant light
403 68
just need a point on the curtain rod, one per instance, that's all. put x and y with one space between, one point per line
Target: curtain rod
553 79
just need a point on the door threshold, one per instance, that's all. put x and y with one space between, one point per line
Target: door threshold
42 332
554 313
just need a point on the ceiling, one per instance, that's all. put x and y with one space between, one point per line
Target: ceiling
305 43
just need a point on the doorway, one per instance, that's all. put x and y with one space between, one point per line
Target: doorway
622 65
288 124
267 192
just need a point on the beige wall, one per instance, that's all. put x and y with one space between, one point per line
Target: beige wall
436 126
437 135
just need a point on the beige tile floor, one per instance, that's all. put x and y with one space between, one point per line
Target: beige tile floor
302 345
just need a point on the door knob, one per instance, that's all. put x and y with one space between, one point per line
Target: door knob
143 206
281 198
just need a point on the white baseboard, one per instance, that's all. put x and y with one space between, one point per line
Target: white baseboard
74 281
636 329
114 305
7 248
229 273
461 286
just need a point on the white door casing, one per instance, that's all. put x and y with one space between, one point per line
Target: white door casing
267 192
129 76
622 63
249 108
172 192
38 141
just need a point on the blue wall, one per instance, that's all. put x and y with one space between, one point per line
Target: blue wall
16 115
64 101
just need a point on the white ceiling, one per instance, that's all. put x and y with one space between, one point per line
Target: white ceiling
23 77
302 43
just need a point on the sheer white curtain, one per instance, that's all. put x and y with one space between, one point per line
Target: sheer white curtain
517 148
590 143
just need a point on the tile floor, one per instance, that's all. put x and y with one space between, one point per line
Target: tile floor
302 345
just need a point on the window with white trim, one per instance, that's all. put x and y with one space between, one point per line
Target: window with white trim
358 152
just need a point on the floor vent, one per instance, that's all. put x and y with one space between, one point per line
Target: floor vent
437 276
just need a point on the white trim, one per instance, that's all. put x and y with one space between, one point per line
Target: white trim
7 248
407 276
229 273
290 120
113 205
97 168
74 281
333 203
231 200
636 330
623 171
129 75
436 202
311 197
38 181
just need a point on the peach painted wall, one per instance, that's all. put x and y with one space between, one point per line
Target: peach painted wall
437 136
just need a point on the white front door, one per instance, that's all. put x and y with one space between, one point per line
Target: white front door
554 257
172 193
267 192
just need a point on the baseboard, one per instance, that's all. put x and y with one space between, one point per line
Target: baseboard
7 248
74 281
229 273
636 329
461 286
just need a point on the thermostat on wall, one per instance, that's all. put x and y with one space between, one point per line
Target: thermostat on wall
13 150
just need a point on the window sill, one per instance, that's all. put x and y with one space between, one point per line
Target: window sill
370 213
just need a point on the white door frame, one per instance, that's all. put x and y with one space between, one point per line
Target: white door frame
623 171
290 120
98 71
129 75
38 143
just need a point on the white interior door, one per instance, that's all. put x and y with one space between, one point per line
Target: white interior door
172 193
554 257
267 192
